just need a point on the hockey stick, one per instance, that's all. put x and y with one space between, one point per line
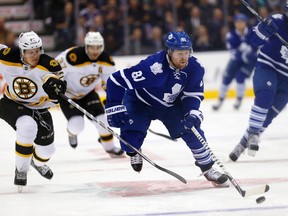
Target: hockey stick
69 100
248 6
243 193
162 135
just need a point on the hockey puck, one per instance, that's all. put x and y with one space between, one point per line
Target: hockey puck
260 199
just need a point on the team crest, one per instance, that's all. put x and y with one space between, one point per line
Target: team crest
284 53
54 63
6 51
156 68
73 57
88 80
24 88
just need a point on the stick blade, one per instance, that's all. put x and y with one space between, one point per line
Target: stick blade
256 190
180 178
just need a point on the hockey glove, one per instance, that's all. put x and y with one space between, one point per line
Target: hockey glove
267 28
193 119
53 86
117 115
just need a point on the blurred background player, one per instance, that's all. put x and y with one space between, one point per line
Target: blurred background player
241 64
86 67
270 81
32 78
167 86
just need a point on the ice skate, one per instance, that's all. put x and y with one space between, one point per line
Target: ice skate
44 170
73 141
20 180
217 178
116 153
237 104
218 104
236 152
252 144
136 161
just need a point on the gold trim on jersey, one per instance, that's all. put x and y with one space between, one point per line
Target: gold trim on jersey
11 63
104 63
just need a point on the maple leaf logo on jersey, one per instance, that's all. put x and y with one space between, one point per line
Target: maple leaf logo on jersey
156 68
284 53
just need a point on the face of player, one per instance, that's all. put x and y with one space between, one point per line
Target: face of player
240 25
180 58
94 52
32 56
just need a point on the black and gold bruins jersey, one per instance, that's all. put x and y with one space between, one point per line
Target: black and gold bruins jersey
24 83
82 74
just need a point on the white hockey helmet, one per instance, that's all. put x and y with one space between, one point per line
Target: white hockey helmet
94 39
29 40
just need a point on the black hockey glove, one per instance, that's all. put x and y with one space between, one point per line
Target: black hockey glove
53 86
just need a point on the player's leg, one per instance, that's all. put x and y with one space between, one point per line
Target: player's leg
20 119
44 143
92 103
75 121
265 83
136 132
244 73
172 121
228 76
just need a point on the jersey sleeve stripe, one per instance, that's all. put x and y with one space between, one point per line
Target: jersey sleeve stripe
125 79
115 81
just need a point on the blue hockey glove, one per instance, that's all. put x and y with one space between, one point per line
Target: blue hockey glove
193 119
117 115
267 28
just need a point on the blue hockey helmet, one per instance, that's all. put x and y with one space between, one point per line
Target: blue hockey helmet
240 17
178 41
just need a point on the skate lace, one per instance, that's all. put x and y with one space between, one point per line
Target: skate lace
43 169
21 175
137 159
253 139
238 150
212 174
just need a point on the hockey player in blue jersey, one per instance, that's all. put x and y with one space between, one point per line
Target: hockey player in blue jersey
242 62
270 81
167 86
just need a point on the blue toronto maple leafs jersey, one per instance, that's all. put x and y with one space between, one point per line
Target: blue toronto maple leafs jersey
154 82
274 54
240 46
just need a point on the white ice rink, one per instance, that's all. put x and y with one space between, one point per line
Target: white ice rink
88 182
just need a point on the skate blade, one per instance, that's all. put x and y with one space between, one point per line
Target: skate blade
251 152
116 156
20 188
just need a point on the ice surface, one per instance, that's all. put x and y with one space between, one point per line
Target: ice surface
88 182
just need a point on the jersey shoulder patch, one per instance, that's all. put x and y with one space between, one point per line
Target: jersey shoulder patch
105 59
11 55
76 56
48 63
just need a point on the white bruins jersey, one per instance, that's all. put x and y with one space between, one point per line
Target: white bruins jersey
82 74
24 83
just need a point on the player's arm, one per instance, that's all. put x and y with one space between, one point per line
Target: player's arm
264 30
193 94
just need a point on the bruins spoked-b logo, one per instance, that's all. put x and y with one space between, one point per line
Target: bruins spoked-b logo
24 88
88 80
